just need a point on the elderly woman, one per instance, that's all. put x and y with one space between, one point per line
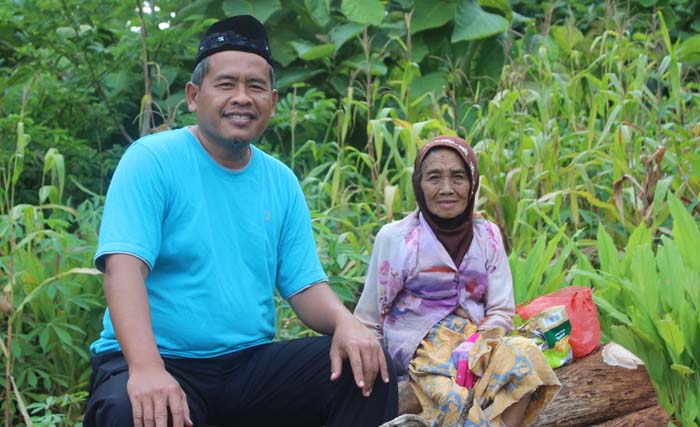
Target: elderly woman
436 278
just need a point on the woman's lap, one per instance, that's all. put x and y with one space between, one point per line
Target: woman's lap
512 367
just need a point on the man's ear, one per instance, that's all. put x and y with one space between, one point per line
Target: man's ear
191 92
275 95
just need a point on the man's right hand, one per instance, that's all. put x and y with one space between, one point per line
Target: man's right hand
153 391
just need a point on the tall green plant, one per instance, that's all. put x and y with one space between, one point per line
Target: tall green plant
46 285
650 299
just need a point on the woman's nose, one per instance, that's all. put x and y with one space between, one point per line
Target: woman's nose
446 185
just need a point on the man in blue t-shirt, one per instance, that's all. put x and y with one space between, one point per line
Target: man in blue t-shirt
199 229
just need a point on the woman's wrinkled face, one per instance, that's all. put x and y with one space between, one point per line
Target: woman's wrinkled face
445 183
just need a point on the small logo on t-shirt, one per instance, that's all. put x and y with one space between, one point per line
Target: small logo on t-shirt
266 216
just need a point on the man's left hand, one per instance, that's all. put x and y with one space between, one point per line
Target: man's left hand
353 341
320 309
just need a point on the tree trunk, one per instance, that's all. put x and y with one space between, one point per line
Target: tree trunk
593 392
652 416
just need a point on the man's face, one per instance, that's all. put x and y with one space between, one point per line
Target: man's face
235 99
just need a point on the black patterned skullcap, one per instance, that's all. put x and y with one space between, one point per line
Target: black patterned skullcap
242 32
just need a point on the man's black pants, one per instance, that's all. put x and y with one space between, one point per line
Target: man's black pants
278 384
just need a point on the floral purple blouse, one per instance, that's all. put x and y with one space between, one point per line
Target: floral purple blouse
412 283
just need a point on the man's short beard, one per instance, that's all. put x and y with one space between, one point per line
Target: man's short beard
238 145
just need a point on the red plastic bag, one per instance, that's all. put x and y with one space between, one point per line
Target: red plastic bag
583 315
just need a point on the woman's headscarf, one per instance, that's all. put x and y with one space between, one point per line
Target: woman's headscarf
455 234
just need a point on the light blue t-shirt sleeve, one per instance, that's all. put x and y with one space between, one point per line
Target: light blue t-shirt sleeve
298 264
134 208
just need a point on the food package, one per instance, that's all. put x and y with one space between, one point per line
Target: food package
550 329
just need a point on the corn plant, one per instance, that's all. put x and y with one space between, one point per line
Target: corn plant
47 285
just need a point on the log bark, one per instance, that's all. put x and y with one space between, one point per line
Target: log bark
654 416
593 392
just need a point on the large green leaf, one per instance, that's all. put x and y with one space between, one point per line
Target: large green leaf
319 11
473 23
261 9
692 398
610 309
431 82
432 14
419 48
607 252
645 277
672 335
640 236
309 52
685 233
342 33
369 12
689 51
517 269
488 61
289 76
296 75
281 45
499 6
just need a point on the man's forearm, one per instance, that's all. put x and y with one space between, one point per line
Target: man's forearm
320 308
125 290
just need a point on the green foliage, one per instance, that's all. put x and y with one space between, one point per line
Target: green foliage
649 299
586 122
57 411
45 287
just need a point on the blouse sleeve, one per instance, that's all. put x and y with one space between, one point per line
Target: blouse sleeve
500 305
383 281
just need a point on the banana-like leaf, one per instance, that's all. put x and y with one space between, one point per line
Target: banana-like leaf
673 274
607 252
672 335
685 233
690 407
645 277
609 309
640 236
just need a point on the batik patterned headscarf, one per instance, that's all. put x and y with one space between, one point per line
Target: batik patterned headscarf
455 234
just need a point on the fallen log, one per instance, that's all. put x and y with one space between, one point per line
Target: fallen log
654 416
593 392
